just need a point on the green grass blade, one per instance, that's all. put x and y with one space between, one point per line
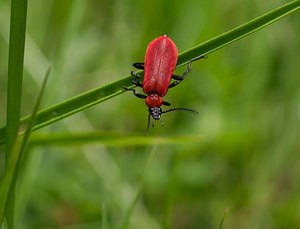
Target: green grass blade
14 163
33 118
137 196
104 223
110 139
15 69
239 32
14 85
223 218
93 97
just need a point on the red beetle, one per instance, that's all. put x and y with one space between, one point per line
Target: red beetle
160 63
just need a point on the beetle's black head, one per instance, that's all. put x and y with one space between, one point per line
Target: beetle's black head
155 112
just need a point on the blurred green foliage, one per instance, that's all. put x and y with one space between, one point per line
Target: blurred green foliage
247 94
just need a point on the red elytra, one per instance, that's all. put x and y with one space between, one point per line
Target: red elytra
160 63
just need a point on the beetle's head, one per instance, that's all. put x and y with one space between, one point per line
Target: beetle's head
155 112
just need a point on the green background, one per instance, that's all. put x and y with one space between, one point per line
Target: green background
244 154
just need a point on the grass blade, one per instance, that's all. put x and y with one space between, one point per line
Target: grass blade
223 218
14 84
15 69
104 222
137 196
98 95
110 139
238 32
14 162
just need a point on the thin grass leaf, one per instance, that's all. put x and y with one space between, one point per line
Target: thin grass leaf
223 218
98 95
14 85
104 221
135 200
32 120
14 162
15 69
239 32
109 139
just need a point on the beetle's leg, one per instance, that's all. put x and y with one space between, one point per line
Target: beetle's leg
199 57
139 65
137 76
166 103
137 83
134 92
135 80
180 78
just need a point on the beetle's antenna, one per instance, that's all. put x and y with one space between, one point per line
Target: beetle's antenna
181 109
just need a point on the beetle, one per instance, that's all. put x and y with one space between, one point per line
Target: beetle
160 63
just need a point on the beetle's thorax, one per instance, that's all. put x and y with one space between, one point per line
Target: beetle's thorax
154 100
